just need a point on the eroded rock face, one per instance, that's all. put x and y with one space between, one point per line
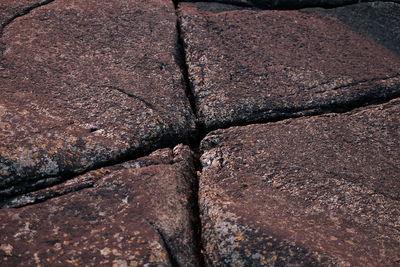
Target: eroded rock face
312 191
84 83
134 214
248 65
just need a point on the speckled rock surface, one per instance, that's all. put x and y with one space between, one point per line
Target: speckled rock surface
286 4
368 19
310 191
86 83
134 214
9 9
249 65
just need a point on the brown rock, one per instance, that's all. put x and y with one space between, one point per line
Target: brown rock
248 66
378 20
134 214
86 83
312 191
11 9
289 4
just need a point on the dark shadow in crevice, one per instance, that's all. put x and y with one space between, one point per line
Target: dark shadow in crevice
164 239
278 114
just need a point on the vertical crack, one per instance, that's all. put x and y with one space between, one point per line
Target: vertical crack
196 225
182 63
195 208
167 247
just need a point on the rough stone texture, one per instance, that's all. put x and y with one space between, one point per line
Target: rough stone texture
246 65
85 83
287 4
367 18
321 190
9 9
136 213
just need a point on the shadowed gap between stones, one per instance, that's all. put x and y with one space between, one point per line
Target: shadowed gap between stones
168 141
201 132
279 114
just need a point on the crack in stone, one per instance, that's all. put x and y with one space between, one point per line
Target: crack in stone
32 198
22 13
280 114
167 247
181 60
147 104
346 85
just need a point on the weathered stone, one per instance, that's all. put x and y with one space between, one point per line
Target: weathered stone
311 191
11 9
86 83
379 21
248 66
290 4
134 214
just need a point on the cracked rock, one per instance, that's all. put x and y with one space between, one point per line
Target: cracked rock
317 191
134 214
250 65
11 9
84 84
378 20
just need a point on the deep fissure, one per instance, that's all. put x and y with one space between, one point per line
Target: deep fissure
167 141
200 133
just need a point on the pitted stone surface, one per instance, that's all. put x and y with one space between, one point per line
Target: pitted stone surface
248 65
136 213
310 191
84 83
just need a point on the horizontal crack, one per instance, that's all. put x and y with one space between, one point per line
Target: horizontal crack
165 140
39 197
276 115
355 83
67 186
346 85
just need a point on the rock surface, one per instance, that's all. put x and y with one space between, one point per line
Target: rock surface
368 19
12 9
134 214
88 88
310 191
247 65
86 83
286 4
